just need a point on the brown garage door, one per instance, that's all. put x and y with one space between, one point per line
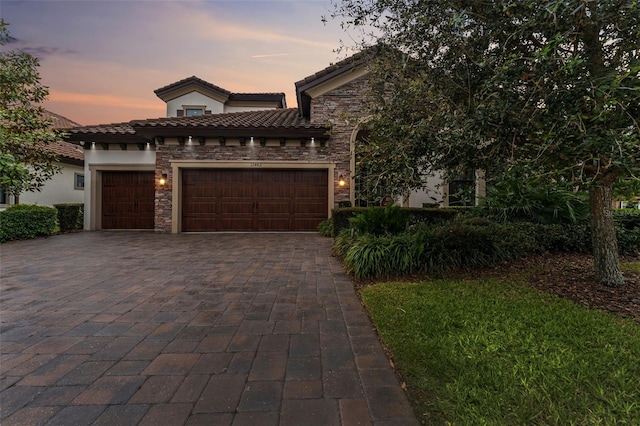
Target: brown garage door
127 200
253 200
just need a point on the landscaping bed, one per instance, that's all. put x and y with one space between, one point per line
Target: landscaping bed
570 276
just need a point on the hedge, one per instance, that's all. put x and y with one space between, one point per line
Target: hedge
25 221
70 216
467 244
340 216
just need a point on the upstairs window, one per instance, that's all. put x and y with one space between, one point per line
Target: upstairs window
189 112
192 111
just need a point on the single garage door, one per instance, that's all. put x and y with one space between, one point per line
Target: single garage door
253 200
127 200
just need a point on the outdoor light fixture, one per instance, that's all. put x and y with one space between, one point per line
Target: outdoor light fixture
163 179
341 181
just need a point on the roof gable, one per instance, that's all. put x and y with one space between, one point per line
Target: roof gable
192 84
195 84
331 77
67 152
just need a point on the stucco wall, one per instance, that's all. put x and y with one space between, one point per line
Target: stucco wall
97 160
193 99
59 189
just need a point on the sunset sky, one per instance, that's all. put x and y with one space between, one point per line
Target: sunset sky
102 59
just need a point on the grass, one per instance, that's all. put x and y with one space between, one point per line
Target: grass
492 353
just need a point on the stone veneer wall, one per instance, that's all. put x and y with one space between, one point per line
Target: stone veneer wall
212 150
344 109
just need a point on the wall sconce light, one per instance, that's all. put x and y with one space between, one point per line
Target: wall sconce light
341 181
163 179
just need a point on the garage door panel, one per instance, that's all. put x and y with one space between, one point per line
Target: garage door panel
254 200
237 206
200 224
236 191
274 208
274 192
234 224
274 224
202 207
310 208
127 200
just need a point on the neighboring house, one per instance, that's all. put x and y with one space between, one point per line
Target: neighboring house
66 186
223 161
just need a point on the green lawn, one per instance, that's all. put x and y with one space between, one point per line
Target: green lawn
492 353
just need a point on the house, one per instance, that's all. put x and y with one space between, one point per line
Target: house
66 186
223 161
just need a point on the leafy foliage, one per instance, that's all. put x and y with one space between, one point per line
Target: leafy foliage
25 163
70 216
511 199
24 221
389 219
550 87
464 244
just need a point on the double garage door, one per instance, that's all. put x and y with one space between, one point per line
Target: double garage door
222 200
253 200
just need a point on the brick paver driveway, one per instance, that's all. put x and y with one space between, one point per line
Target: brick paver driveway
132 328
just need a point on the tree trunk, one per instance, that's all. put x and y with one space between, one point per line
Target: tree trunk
603 236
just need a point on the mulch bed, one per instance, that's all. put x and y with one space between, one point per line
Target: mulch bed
571 276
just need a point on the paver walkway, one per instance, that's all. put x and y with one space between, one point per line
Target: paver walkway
125 328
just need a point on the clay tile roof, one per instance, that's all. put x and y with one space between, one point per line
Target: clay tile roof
272 118
58 121
114 132
187 81
165 93
339 67
330 72
65 150
103 129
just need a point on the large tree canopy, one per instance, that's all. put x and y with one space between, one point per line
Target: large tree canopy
545 88
25 163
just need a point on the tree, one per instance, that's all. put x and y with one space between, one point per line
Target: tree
544 88
25 163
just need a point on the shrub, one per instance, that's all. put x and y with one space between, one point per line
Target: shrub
516 200
342 242
627 218
380 220
465 244
24 221
325 228
460 246
372 256
416 216
628 240
70 216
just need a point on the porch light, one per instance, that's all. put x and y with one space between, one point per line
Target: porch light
163 179
341 181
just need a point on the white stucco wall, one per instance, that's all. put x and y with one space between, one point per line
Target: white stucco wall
193 99
431 193
97 160
59 189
